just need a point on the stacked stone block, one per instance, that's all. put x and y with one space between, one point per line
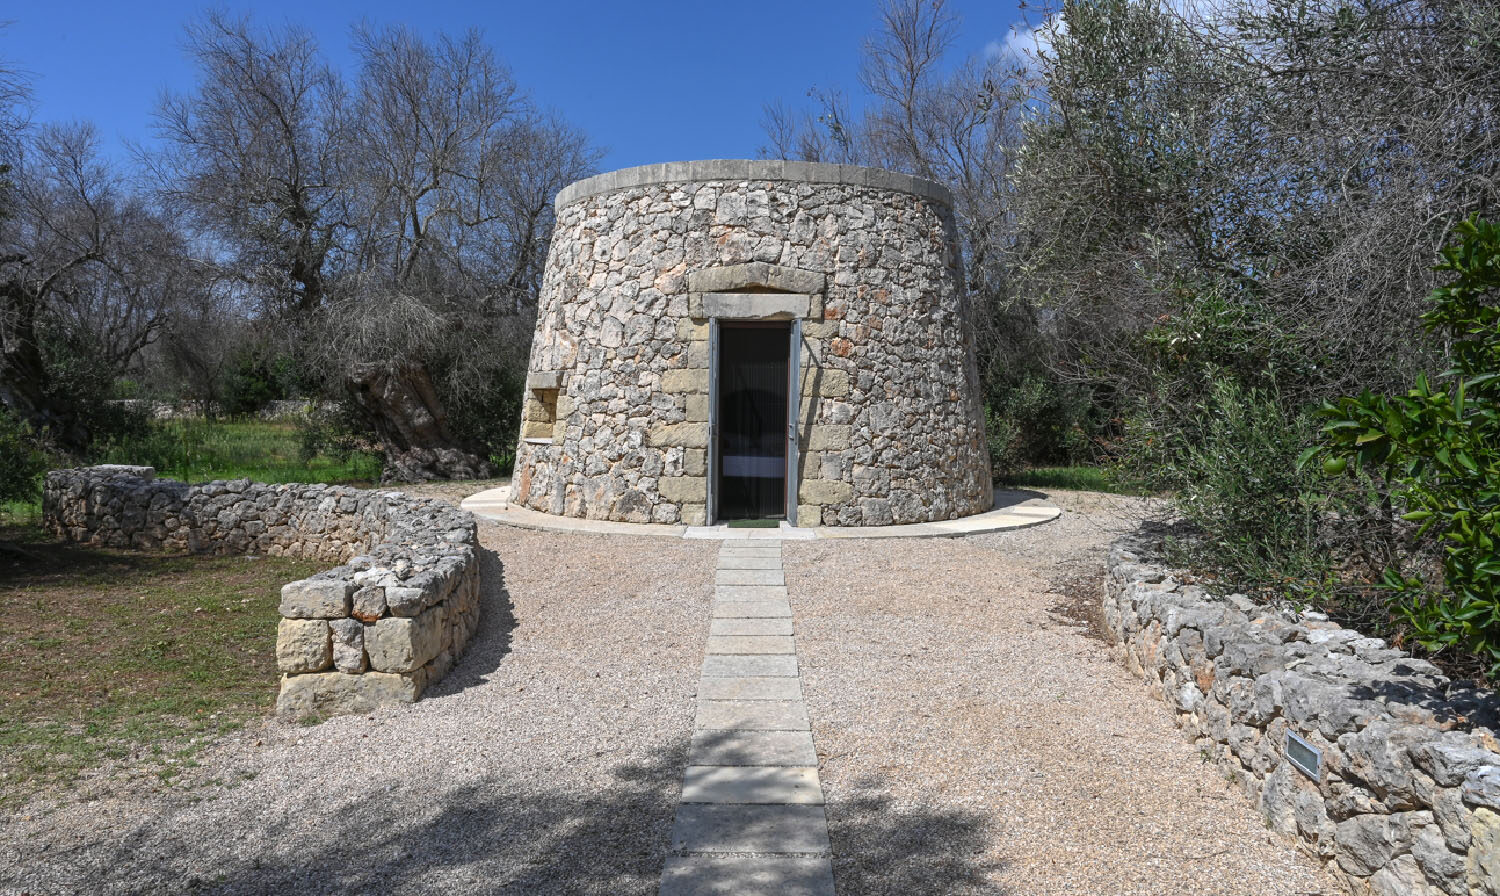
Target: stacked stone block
617 406
379 628
1406 799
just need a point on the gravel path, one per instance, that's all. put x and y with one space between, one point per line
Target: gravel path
971 742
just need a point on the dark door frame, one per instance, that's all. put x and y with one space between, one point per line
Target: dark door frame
793 411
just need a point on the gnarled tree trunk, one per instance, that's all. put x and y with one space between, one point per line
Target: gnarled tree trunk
408 417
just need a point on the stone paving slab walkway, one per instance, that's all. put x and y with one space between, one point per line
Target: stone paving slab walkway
751 818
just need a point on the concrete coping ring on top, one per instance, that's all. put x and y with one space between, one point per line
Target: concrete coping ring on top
1011 511
752 170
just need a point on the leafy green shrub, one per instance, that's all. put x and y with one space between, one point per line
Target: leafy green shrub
332 428
23 459
249 386
1186 360
1438 452
484 410
86 387
1256 510
1038 421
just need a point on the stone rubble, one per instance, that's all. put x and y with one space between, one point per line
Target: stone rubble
380 627
1406 799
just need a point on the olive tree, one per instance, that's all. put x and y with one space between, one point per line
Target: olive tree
393 224
88 274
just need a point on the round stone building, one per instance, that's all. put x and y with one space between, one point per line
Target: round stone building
723 340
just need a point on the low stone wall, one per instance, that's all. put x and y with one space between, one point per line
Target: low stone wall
379 628
1405 797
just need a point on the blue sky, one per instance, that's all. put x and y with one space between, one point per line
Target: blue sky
651 82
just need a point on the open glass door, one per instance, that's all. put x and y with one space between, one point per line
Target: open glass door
751 420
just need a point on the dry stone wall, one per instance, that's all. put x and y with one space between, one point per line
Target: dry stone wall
617 410
380 627
1405 797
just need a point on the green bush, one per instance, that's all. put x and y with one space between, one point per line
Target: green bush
1257 512
77 381
23 460
1038 421
1186 360
1437 450
333 428
484 410
250 385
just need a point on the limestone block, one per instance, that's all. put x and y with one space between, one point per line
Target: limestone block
302 645
678 381
876 511
335 693
411 598
348 645
697 408
368 603
535 429
404 643
1482 787
684 435
316 599
1402 877
824 491
809 515
694 461
544 379
694 514
684 489
1366 843
696 357
688 329
1483 865
828 437
826 382
762 274
756 306
820 329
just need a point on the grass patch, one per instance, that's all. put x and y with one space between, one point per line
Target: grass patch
1090 479
753 524
263 450
108 654
199 451
20 519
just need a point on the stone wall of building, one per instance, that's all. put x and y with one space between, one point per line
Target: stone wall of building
381 626
1405 798
891 418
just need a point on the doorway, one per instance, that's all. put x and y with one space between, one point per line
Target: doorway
752 454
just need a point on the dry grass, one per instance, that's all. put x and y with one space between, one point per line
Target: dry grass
119 655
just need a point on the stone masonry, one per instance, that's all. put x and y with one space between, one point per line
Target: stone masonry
1406 796
379 628
642 260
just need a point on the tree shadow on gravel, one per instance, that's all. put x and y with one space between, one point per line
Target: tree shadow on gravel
502 834
492 640
880 849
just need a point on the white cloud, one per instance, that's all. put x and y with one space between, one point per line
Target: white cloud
1026 45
